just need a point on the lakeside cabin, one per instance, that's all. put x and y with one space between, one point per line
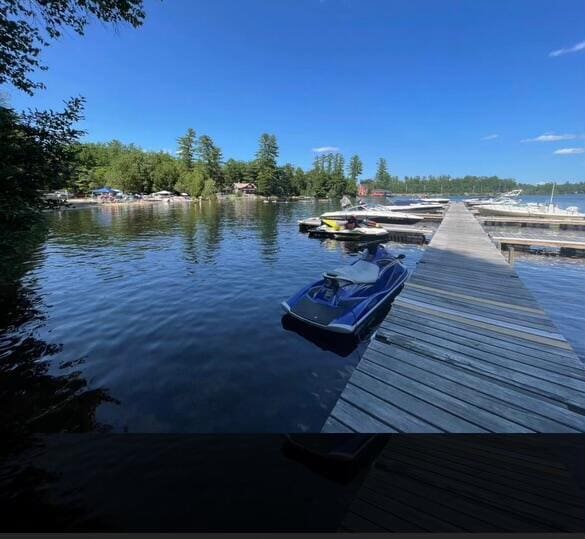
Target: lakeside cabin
245 188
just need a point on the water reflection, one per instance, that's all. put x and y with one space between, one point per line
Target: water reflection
268 215
342 345
35 394
174 311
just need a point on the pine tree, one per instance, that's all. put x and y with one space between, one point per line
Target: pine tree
265 165
356 168
187 148
383 178
211 157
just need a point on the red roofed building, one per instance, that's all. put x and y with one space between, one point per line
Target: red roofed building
245 188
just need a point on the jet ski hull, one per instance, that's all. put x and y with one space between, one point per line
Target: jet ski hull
347 307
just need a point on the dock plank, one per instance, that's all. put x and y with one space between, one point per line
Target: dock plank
467 483
465 348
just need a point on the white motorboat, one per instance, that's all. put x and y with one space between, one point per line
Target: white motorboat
413 205
545 211
434 200
378 214
505 198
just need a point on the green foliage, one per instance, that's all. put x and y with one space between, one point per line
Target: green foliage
235 172
383 179
327 177
283 185
27 27
356 168
187 148
164 171
191 182
265 165
209 189
37 152
210 156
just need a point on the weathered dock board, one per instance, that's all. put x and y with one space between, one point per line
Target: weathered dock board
539 242
468 484
465 348
533 222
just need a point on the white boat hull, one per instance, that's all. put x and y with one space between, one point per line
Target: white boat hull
373 215
528 212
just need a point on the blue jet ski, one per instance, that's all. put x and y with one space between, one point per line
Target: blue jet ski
345 298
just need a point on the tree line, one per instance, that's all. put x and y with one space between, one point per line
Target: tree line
199 170
464 185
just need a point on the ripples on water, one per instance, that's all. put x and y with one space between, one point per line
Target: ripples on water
175 311
171 315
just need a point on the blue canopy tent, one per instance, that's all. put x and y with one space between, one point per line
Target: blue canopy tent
103 191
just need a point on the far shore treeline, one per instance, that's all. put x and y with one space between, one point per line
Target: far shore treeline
198 168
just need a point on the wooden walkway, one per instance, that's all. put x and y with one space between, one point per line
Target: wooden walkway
533 222
539 242
468 484
465 348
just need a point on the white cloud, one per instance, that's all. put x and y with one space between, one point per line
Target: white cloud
575 48
569 151
549 137
326 149
490 137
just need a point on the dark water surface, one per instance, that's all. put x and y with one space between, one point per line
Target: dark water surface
174 312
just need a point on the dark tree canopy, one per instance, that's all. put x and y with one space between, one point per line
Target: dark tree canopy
26 26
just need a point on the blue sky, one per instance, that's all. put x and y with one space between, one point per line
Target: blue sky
436 87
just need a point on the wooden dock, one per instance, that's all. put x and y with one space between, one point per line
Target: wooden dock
533 222
465 348
408 233
469 484
539 242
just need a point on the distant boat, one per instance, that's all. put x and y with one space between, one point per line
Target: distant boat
505 198
543 211
530 210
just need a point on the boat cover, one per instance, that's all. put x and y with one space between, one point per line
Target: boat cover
361 272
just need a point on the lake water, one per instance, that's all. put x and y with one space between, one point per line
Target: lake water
167 318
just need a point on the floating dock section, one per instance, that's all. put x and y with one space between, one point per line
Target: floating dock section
465 348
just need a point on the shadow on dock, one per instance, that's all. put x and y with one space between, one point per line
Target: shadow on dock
187 483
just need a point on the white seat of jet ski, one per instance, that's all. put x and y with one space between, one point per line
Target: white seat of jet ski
362 272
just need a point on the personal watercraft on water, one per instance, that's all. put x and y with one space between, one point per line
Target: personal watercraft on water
347 297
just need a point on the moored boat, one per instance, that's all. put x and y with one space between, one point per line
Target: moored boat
413 205
544 211
344 299
357 230
505 198
378 214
